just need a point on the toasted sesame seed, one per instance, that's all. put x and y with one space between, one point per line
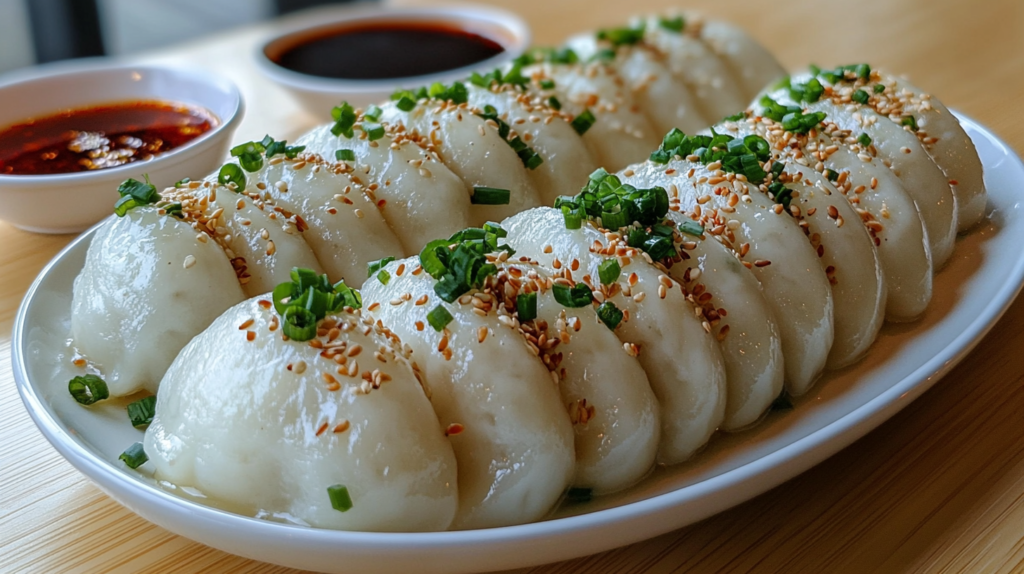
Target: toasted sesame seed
454 429
248 323
323 427
341 427
250 336
190 260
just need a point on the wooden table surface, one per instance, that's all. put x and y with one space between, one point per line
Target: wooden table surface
938 488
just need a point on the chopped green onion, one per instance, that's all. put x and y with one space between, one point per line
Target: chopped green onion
547 84
173 209
292 151
578 495
134 193
793 118
691 227
735 117
344 119
372 113
439 317
860 96
88 389
583 122
672 24
609 314
431 258
864 140
780 194
622 36
879 88
526 306
809 92
384 277
299 323
231 173
345 155
375 266
141 412
349 297
831 174
341 500
134 456
573 217
182 182
554 103
576 296
608 271
406 103
490 196
909 121
250 155
373 131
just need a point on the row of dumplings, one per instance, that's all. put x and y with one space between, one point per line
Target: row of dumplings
794 229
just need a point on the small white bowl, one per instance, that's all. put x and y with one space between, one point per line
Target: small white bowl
318 94
71 202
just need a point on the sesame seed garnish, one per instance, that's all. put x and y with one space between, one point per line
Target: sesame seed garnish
419 325
299 368
323 427
250 336
354 350
453 429
359 213
373 306
481 334
341 427
248 323
190 260
79 362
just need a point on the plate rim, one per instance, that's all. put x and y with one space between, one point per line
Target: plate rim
730 488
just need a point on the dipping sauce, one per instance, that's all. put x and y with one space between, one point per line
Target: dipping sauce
99 137
385 50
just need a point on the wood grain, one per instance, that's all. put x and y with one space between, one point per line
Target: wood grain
938 488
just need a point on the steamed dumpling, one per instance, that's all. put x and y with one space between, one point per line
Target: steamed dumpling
515 442
148 285
263 425
423 199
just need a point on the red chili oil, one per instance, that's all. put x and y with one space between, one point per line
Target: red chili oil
99 137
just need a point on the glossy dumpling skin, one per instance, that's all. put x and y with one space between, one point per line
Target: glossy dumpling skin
343 227
515 452
138 299
617 437
264 248
473 150
922 179
622 134
793 281
424 199
717 92
753 66
683 362
747 333
661 95
567 161
256 427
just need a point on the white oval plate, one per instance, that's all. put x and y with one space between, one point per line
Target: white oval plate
971 293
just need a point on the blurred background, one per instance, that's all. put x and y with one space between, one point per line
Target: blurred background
40 31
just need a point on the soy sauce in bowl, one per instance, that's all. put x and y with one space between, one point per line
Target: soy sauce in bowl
384 50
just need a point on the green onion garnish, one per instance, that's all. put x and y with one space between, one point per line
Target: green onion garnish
526 306
250 155
490 196
456 93
372 113
690 227
909 121
383 276
608 271
439 317
344 118
231 173
547 84
340 498
578 295
375 266
88 389
134 456
609 314
373 131
141 412
405 103
672 24
622 36
183 181
460 262
809 92
864 140
583 122
526 154
135 193
780 194
831 174
345 155
743 156
860 96
793 118
299 323
554 103
173 209
735 117
879 88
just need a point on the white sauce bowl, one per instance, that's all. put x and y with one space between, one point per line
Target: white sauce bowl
71 202
319 94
